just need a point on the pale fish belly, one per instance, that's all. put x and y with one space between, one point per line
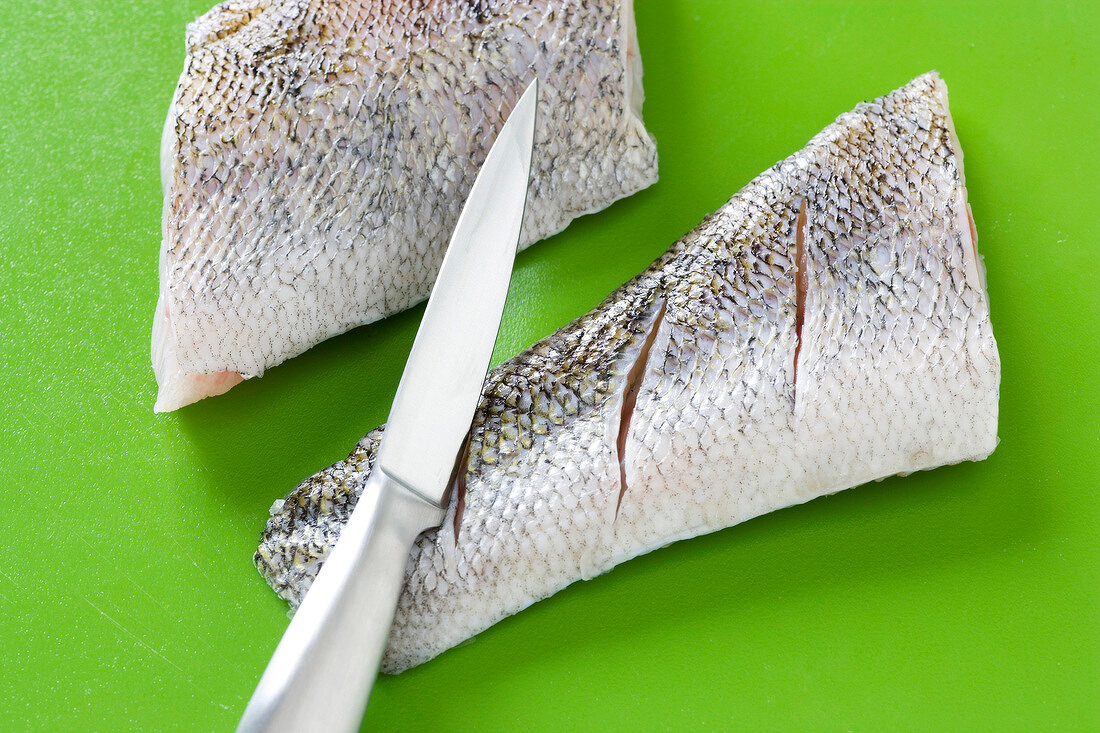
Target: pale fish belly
828 326
317 154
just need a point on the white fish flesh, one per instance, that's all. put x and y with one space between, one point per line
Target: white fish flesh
828 326
317 154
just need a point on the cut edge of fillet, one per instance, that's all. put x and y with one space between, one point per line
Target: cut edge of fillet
632 385
632 66
973 265
174 388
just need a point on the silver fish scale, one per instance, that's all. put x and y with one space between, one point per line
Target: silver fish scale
896 371
317 154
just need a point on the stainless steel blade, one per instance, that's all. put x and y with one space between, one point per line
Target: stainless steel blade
441 386
321 674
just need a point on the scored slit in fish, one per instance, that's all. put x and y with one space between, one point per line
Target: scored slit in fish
828 326
317 153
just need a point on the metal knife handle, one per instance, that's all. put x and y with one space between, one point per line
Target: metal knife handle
321 674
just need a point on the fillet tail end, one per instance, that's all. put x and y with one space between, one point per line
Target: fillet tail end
176 389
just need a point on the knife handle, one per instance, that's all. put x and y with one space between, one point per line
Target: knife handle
321 674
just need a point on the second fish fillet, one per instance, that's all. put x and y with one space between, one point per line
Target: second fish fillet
317 153
826 327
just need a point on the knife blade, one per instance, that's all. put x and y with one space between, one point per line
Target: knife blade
322 671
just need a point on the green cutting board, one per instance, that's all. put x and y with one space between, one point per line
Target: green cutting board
965 598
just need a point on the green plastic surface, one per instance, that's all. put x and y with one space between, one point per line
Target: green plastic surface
966 598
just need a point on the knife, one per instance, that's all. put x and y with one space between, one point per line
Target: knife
321 674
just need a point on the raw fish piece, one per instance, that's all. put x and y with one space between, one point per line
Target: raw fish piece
828 326
317 153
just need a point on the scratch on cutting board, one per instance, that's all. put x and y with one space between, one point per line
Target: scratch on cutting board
35 428
168 613
133 636
11 580
149 595
122 574
184 553
139 640
142 643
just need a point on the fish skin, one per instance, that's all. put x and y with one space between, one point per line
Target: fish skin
737 414
317 153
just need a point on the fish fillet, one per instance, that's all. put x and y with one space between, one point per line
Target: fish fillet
317 154
829 325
